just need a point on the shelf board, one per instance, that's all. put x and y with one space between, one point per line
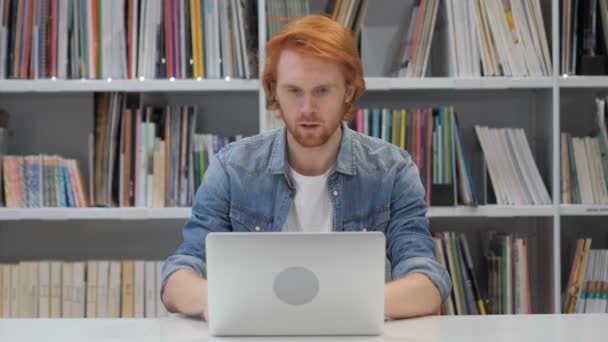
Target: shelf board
583 82
52 86
583 210
492 211
63 214
392 83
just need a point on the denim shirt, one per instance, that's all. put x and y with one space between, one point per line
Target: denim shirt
374 186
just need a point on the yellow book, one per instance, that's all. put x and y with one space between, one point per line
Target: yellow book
127 296
403 117
197 37
193 32
579 276
394 127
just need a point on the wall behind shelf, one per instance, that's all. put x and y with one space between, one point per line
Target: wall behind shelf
50 124
84 240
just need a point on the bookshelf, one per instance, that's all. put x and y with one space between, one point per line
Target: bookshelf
56 117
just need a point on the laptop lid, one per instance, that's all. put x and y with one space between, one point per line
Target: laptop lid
296 283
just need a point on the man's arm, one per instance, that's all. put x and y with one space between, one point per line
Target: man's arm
186 292
421 283
411 296
184 274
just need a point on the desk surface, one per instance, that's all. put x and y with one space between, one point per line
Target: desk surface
577 328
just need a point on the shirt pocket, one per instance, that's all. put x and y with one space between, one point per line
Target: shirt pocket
374 220
247 220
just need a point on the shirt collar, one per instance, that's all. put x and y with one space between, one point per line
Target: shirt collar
345 162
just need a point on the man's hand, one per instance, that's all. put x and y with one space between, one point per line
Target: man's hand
186 292
411 296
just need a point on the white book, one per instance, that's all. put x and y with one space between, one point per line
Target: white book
594 299
114 288
237 39
537 180
91 302
226 47
150 288
44 292
522 27
79 288
515 179
62 38
6 291
521 169
103 274
89 42
448 304
540 29
55 290
14 293
244 45
582 171
67 288
594 156
474 39
139 289
161 311
32 289
481 132
522 275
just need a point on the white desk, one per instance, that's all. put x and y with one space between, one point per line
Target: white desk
554 328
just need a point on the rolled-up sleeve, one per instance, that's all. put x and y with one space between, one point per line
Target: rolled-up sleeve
410 246
210 213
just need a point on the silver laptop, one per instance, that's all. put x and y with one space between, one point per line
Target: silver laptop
296 283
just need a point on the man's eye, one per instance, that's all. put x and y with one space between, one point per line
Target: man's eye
294 91
322 91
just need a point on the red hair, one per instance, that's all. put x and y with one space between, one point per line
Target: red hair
321 37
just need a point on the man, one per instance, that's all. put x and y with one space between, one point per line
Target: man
314 174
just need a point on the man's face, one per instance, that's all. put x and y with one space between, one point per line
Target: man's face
312 95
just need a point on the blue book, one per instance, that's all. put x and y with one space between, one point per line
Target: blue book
69 187
376 123
388 119
60 183
466 279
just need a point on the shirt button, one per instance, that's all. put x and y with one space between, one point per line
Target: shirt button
364 229
335 194
257 228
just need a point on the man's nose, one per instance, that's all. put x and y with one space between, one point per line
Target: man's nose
308 105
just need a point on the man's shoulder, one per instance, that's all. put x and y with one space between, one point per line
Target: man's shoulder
249 154
377 155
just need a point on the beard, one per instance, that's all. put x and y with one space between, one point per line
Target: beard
312 137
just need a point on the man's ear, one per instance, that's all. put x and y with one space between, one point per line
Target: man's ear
350 92
273 92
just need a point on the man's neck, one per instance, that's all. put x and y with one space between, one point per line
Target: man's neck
313 161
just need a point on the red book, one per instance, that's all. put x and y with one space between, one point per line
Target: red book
96 52
25 67
168 38
421 10
129 38
54 15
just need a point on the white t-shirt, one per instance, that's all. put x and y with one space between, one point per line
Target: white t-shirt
312 210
